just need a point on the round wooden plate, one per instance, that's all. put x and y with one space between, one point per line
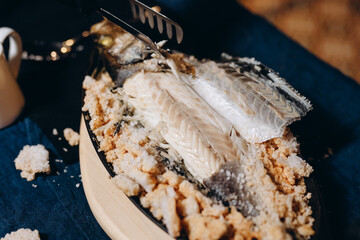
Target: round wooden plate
113 210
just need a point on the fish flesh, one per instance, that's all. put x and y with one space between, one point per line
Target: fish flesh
201 136
214 119
257 102
187 123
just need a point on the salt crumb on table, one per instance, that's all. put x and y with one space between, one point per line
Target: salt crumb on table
20 234
55 132
31 160
71 136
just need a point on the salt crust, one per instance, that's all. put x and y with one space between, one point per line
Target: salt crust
32 160
22 234
275 174
128 186
71 136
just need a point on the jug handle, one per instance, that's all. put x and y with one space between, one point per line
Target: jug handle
15 49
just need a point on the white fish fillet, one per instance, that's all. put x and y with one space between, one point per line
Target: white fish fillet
187 123
253 104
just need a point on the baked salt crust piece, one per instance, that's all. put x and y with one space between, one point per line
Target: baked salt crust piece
203 144
71 137
32 160
22 234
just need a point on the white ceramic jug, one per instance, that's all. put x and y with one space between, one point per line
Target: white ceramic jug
11 98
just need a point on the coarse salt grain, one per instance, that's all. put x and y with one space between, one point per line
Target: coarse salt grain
55 132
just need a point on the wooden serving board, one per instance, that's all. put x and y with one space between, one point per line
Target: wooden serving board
113 210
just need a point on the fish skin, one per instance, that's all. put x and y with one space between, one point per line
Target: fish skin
188 124
265 81
229 186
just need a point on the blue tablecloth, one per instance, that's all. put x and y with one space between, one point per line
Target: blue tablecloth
59 209
54 204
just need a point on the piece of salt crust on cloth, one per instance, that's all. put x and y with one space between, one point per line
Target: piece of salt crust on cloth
32 160
22 234
71 136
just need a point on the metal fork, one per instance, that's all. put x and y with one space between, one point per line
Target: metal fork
143 12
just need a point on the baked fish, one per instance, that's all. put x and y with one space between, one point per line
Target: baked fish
221 125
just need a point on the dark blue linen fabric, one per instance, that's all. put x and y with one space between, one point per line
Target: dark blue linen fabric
52 92
53 203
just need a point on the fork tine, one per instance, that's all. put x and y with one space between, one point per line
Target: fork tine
150 19
142 15
169 29
159 22
179 33
133 9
